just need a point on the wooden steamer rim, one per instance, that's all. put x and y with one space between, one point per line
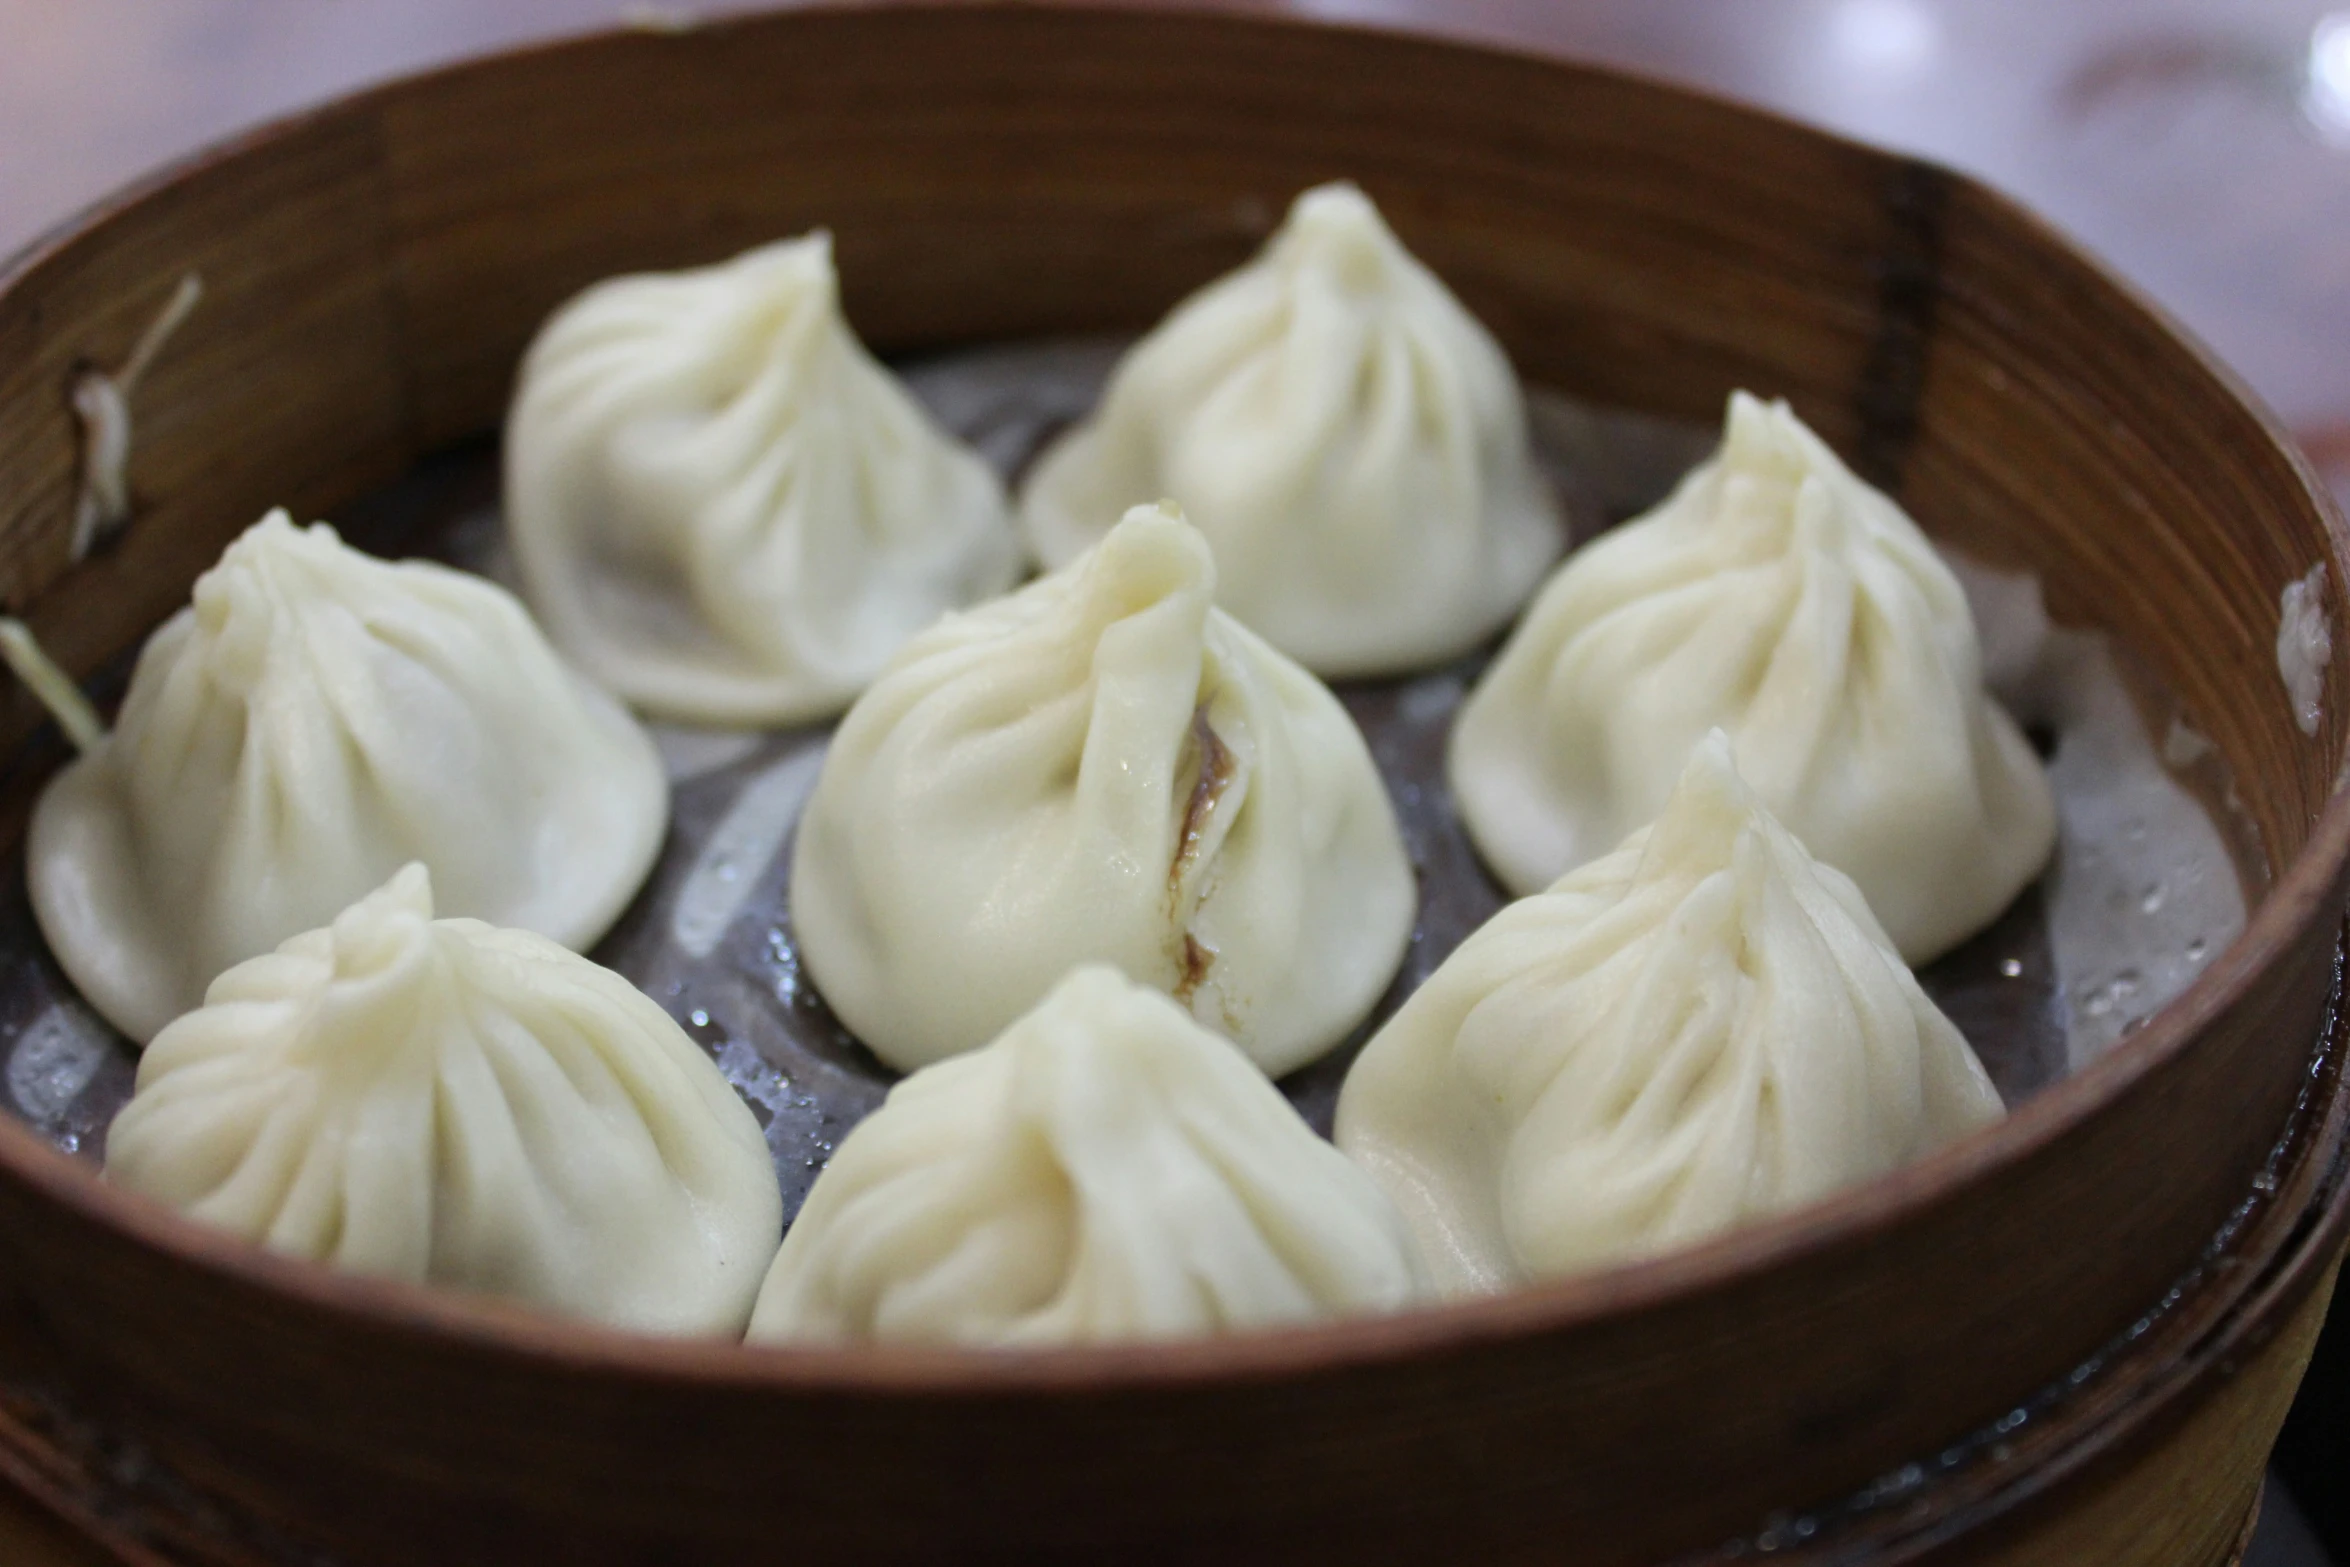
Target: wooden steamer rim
1939 273
2039 1508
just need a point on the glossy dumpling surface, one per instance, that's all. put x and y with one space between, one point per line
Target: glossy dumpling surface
1703 1028
314 720
1349 438
1776 596
723 508
449 1103
1101 767
1106 1169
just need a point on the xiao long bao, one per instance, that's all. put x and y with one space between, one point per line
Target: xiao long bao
314 720
723 507
1101 767
445 1102
1351 441
1701 1029
1777 596
1106 1169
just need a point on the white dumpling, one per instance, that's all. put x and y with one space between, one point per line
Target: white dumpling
1776 596
1106 1169
449 1103
1703 1028
1101 767
723 508
314 720
1351 441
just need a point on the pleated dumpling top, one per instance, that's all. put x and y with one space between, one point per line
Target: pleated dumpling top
313 721
1349 438
1106 1169
723 508
1703 1028
449 1103
1775 596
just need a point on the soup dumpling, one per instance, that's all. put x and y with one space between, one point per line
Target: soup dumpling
1701 1029
1106 1169
1350 439
314 720
723 508
1100 767
1778 597
448 1103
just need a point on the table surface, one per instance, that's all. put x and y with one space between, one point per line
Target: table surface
2201 146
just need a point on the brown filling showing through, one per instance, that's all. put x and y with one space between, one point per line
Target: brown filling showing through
1212 777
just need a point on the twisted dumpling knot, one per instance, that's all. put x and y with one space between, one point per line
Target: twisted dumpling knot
1336 229
1155 554
370 936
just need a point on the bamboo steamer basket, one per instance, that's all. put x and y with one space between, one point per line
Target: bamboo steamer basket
2069 1338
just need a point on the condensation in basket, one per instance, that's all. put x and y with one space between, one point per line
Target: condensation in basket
2144 891
740 849
53 1058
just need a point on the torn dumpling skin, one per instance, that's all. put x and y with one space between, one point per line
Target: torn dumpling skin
1101 767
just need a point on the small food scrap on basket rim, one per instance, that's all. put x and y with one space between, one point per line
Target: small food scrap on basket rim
102 403
2305 645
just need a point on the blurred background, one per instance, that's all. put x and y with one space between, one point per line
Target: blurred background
2202 147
